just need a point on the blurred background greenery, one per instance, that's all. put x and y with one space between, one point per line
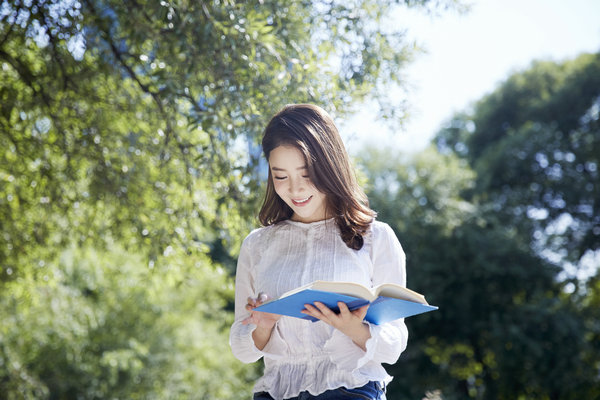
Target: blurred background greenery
130 172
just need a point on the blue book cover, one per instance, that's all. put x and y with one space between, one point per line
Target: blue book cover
382 309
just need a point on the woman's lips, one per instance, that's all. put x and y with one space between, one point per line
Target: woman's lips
301 202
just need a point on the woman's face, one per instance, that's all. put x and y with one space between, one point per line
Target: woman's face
292 183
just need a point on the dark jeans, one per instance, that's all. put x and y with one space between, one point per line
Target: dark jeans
371 391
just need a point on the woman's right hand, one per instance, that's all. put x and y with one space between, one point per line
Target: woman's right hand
264 321
261 319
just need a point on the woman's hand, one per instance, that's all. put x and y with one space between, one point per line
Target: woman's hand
264 321
259 318
350 323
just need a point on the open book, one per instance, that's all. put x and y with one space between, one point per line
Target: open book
388 301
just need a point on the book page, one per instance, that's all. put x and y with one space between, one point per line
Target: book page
347 288
357 290
399 292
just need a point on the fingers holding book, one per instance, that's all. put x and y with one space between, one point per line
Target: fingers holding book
258 318
348 322
254 302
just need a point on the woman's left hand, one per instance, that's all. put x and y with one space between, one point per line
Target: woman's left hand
350 323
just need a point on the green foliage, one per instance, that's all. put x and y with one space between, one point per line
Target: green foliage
505 328
535 144
103 324
132 119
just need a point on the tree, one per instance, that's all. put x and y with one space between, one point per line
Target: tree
126 106
535 144
504 321
90 330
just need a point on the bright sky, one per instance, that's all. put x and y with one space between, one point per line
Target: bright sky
468 55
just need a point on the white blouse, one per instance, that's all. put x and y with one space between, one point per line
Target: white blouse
302 355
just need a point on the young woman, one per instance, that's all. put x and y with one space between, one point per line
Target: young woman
317 226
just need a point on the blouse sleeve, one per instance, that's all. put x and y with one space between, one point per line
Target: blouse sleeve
388 340
240 337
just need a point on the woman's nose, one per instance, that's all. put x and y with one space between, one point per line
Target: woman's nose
296 186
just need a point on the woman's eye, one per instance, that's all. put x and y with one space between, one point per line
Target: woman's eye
280 178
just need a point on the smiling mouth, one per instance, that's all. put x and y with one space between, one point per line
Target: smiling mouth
301 202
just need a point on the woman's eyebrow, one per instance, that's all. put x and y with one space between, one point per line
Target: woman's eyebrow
283 170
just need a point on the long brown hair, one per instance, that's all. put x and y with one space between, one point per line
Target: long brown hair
311 130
